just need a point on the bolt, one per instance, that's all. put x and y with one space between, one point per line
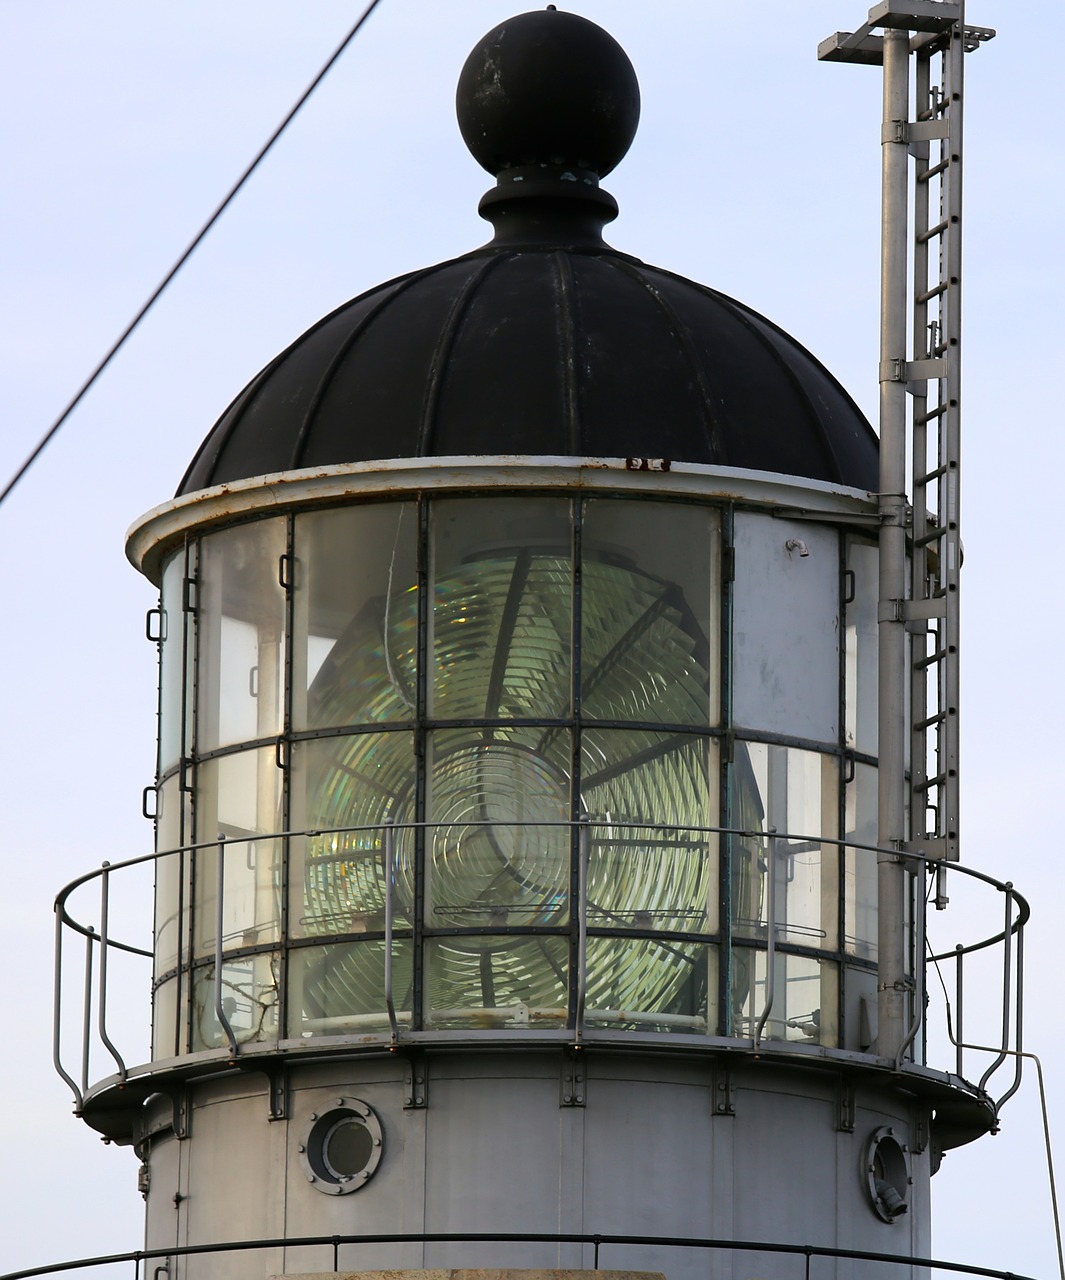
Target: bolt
301 1148
310 1177
377 1142
566 1097
580 1097
314 1115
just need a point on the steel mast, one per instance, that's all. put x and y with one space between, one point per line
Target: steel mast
920 422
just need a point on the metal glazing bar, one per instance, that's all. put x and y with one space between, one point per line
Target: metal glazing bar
57 997
1007 957
389 870
771 936
219 1008
101 1003
90 938
582 925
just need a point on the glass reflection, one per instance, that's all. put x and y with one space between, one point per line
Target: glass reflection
502 608
355 605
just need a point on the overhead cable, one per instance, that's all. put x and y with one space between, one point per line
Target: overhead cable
53 430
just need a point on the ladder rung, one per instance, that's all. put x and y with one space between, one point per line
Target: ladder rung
929 783
927 539
931 415
923 664
932 475
927 724
926 174
942 287
924 236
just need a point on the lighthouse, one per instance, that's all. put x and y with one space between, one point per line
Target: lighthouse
521 880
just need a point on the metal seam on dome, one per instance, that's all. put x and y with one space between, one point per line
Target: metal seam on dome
715 435
568 322
441 354
763 340
238 407
396 289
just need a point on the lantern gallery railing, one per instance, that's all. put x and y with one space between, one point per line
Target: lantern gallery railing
232 963
603 1251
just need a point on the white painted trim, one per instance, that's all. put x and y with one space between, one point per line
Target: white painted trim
160 529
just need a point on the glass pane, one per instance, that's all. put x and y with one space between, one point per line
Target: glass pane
647 869
650 600
651 985
239 795
172 888
502 608
168 1023
355 609
338 879
794 793
805 997
862 648
497 854
249 1001
241 635
341 988
175 620
861 877
496 982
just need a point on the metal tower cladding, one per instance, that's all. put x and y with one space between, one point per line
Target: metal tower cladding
540 873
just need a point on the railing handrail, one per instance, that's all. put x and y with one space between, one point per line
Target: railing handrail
1017 908
904 855
596 1240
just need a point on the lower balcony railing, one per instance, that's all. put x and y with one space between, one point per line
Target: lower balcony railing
760 961
608 1252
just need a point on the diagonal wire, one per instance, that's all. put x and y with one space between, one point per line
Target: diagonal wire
53 430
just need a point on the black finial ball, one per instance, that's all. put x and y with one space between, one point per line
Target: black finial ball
548 88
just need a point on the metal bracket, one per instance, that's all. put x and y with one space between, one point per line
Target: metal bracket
845 1105
415 1081
573 1079
723 1103
181 1111
921 1129
938 847
278 1082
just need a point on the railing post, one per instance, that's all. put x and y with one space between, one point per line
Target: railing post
582 926
219 1009
389 870
959 1007
920 925
1007 968
105 893
771 935
57 993
90 938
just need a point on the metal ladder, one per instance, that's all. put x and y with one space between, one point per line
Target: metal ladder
939 38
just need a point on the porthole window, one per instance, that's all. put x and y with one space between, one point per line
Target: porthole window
887 1175
342 1148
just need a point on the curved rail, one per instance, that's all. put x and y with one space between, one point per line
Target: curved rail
598 1243
100 943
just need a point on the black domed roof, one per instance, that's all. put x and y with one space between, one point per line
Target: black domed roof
546 341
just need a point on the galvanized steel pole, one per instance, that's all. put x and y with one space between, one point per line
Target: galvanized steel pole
894 668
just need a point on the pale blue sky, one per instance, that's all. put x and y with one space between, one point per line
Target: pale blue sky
755 170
